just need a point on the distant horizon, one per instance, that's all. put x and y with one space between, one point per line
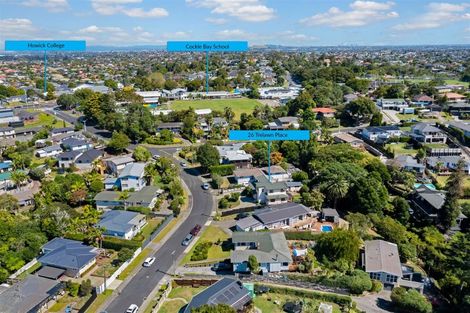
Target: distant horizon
279 22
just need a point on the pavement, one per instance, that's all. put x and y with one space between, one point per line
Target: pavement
375 302
143 283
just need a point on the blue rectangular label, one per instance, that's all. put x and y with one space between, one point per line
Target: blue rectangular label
269 135
45 45
207 46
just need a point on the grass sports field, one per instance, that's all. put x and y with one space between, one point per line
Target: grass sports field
238 105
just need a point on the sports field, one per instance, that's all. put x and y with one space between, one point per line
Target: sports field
238 105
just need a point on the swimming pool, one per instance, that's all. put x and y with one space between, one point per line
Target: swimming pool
326 228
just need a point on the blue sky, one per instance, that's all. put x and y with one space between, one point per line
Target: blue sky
287 22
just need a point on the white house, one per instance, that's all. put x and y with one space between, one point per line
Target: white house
122 224
117 164
132 177
49 151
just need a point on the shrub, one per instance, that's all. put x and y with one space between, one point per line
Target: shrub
201 251
117 243
234 197
85 288
301 235
222 170
72 288
377 286
410 301
358 282
223 203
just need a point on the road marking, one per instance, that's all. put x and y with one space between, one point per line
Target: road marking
173 252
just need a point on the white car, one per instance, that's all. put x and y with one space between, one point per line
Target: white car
133 308
205 186
148 262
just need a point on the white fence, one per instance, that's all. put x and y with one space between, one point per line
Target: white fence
25 267
101 288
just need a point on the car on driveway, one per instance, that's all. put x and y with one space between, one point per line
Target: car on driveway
205 186
183 164
133 308
156 156
148 262
187 240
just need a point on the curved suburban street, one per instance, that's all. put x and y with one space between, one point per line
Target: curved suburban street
142 284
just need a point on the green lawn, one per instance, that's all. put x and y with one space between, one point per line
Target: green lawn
217 251
172 306
100 299
184 292
238 105
44 119
436 145
266 303
29 271
400 148
151 226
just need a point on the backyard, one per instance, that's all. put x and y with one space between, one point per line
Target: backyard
273 302
219 249
44 119
401 148
238 105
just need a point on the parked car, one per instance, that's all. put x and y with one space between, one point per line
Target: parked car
156 156
133 308
187 240
205 186
183 164
148 262
195 230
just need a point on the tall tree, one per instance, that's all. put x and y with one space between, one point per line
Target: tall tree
336 188
451 209
207 155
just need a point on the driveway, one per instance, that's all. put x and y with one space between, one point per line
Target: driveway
375 303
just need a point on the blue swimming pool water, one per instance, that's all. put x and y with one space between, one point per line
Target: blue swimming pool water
326 228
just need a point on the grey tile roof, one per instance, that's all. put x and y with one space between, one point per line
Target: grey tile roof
133 169
107 195
329 212
226 291
146 194
51 148
382 256
271 247
425 128
74 142
433 197
62 130
460 125
262 181
119 221
89 156
68 254
248 222
280 212
120 160
28 294
68 155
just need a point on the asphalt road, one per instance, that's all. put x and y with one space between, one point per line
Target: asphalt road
147 278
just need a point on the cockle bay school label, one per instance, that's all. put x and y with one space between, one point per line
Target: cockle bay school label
269 135
45 45
207 46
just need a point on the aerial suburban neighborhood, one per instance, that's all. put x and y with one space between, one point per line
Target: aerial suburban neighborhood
287 162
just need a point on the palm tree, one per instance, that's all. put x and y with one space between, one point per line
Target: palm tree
150 172
336 188
19 178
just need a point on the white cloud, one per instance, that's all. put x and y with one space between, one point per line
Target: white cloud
438 14
361 13
233 33
216 21
246 10
16 28
111 7
293 37
50 5
176 35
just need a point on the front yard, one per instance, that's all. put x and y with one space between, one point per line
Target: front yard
273 302
400 148
220 248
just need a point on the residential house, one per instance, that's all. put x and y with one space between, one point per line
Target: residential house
6 166
31 295
67 159
245 176
285 122
150 97
329 215
449 88
74 257
270 192
349 139
49 151
349 97
381 133
459 109
277 173
426 203
74 144
227 291
282 216
455 98
122 224
7 132
132 177
447 163
392 104
426 133
381 261
219 122
324 113
407 163
146 197
117 164
85 160
422 100
175 127
63 130
461 126
269 248
232 154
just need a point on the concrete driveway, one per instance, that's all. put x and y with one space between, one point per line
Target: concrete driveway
375 303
